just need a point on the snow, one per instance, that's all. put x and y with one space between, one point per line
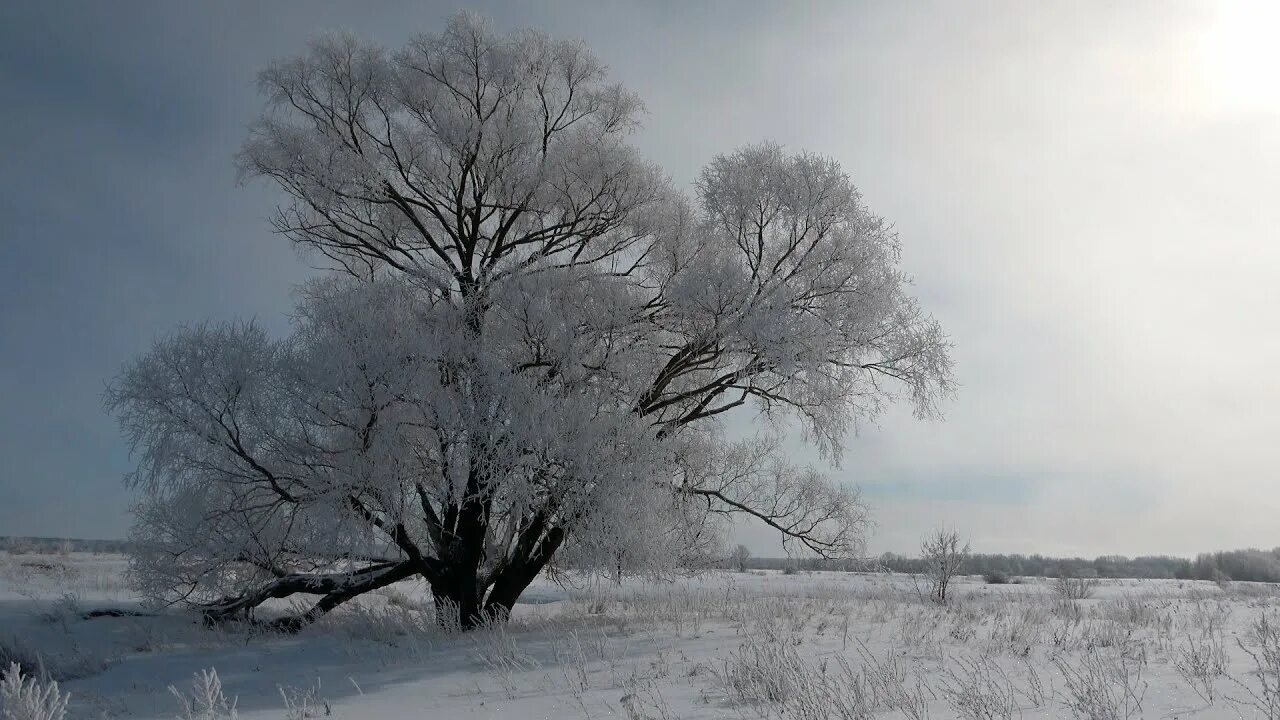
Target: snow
686 649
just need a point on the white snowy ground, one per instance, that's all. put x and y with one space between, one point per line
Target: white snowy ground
728 645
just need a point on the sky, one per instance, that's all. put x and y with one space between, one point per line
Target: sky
1084 191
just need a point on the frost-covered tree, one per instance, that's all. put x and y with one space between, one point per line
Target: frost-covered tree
943 557
739 557
526 349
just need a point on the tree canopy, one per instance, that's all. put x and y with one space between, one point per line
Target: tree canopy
526 348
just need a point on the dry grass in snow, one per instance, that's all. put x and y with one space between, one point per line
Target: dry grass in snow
730 645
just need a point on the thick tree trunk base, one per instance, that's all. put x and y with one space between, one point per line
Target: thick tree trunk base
461 604
457 608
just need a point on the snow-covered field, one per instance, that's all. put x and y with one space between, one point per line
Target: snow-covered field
727 645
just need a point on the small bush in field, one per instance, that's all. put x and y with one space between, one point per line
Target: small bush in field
1070 587
997 578
207 700
1102 685
1264 650
977 688
943 557
26 698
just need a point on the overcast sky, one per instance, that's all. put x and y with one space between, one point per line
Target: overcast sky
1085 192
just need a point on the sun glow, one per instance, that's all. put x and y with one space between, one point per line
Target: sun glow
1240 56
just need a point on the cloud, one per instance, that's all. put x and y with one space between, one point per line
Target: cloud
1078 202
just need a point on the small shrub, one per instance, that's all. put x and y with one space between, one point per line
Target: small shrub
26 698
977 688
304 703
207 701
1071 587
1221 579
763 673
1201 662
943 557
497 650
996 578
1103 686
1264 651
769 673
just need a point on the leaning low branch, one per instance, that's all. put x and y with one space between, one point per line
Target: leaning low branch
334 590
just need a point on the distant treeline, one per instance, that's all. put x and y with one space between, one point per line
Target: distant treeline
1106 566
60 545
1251 565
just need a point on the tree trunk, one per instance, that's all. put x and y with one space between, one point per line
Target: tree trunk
457 601
460 601
456 587
513 580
